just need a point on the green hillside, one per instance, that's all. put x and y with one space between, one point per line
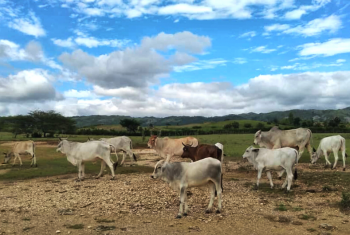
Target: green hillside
312 114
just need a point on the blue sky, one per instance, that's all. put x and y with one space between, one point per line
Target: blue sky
174 57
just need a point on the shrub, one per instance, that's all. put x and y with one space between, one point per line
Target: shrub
345 201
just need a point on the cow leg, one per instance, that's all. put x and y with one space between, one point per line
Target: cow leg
186 205
103 165
326 157
290 178
268 173
301 151
14 160
168 156
280 174
260 169
343 153
131 157
285 182
110 165
79 171
212 197
309 149
182 200
82 171
20 160
219 195
124 156
335 153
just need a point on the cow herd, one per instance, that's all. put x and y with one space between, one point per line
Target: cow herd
280 150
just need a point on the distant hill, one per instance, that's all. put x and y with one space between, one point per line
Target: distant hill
311 114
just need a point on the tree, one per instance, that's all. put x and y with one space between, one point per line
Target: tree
260 125
296 121
247 125
334 122
52 122
291 118
275 121
130 124
235 125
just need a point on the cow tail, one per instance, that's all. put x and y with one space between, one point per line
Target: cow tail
310 140
295 167
222 188
134 156
130 144
343 148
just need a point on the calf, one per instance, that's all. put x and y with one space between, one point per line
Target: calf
202 151
183 175
334 143
79 153
273 159
21 148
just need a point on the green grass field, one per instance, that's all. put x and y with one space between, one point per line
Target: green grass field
52 163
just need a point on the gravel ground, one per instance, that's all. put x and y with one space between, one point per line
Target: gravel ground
136 204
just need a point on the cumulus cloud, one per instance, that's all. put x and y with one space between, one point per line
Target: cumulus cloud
27 85
30 25
305 9
138 66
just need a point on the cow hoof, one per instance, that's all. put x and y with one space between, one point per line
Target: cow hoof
207 211
113 178
256 187
36 165
77 180
218 212
97 177
185 214
178 217
343 169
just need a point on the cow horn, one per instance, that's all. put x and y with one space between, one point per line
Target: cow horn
60 138
183 144
191 144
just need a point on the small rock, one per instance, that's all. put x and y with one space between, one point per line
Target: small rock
69 232
58 231
89 227
327 227
297 223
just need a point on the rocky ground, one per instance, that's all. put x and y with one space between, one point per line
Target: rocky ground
136 204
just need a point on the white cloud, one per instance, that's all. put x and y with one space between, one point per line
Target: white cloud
341 61
200 10
263 93
202 64
89 42
249 34
138 66
239 60
78 94
30 25
262 49
331 47
308 67
27 85
305 9
313 28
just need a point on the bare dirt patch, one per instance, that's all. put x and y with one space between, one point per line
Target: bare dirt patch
136 204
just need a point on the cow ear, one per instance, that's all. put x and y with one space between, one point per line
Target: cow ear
313 149
60 138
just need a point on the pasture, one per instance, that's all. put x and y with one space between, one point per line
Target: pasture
47 199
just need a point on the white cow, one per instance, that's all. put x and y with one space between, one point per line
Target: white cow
21 148
121 144
79 153
330 144
183 175
273 159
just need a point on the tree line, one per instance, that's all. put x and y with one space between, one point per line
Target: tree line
38 124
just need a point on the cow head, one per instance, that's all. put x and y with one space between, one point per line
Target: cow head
158 169
7 157
152 141
314 157
62 145
251 153
257 137
186 151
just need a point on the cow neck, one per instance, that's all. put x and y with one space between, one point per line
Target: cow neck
319 151
71 145
265 139
158 143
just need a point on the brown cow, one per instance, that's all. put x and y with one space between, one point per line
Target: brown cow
166 147
201 151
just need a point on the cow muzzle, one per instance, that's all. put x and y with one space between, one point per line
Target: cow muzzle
152 177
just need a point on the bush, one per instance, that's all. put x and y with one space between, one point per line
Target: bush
36 135
345 201
248 125
196 127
